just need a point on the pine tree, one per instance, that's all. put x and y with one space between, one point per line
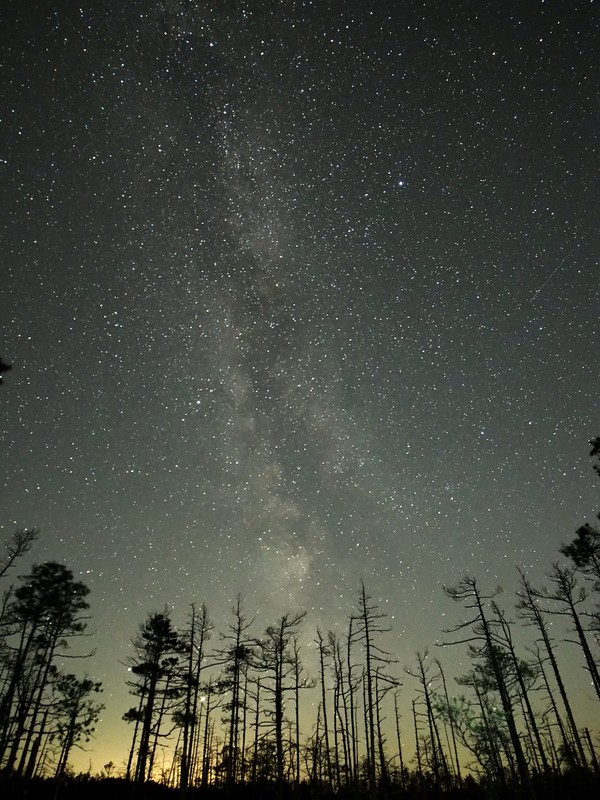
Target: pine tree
158 653
44 615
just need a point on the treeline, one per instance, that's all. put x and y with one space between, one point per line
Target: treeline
228 711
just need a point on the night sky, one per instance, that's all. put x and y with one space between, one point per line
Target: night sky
295 294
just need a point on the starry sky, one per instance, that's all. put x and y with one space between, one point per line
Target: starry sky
297 293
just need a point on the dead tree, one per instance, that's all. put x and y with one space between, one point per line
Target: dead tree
368 627
451 722
438 760
324 652
275 660
482 632
530 611
567 598
196 637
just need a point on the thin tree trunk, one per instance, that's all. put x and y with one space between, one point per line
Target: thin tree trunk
530 610
417 745
452 725
352 710
399 739
256 727
322 651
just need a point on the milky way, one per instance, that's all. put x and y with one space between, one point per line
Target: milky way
296 295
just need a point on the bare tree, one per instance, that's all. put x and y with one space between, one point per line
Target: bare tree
368 626
353 684
324 652
21 543
341 710
301 682
530 611
451 723
276 661
525 675
439 766
399 740
236 657
568 597
468 593
195 637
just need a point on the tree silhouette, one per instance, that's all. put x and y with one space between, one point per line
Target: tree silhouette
276 660
4 367
76 713
368 627
158 650
441 773
195 637
584 550
200 712
236 656
44 615
324 652
482 632
567 597
21 543
530 611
